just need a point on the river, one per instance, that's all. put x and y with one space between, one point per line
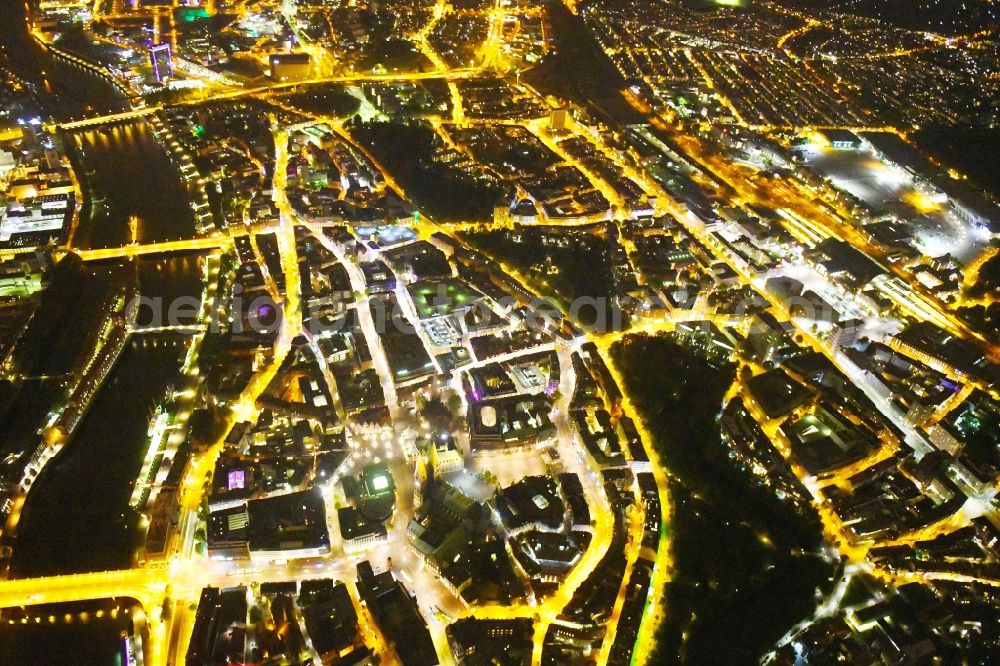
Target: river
77 516
125 172
81 633
63 90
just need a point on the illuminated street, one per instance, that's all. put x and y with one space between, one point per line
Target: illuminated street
481 332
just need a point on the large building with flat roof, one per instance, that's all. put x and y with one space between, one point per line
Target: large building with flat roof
290 66
288 526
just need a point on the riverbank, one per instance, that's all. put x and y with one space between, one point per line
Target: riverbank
63 90
78 517
91 633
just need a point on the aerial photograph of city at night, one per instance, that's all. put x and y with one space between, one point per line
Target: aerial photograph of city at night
499 333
